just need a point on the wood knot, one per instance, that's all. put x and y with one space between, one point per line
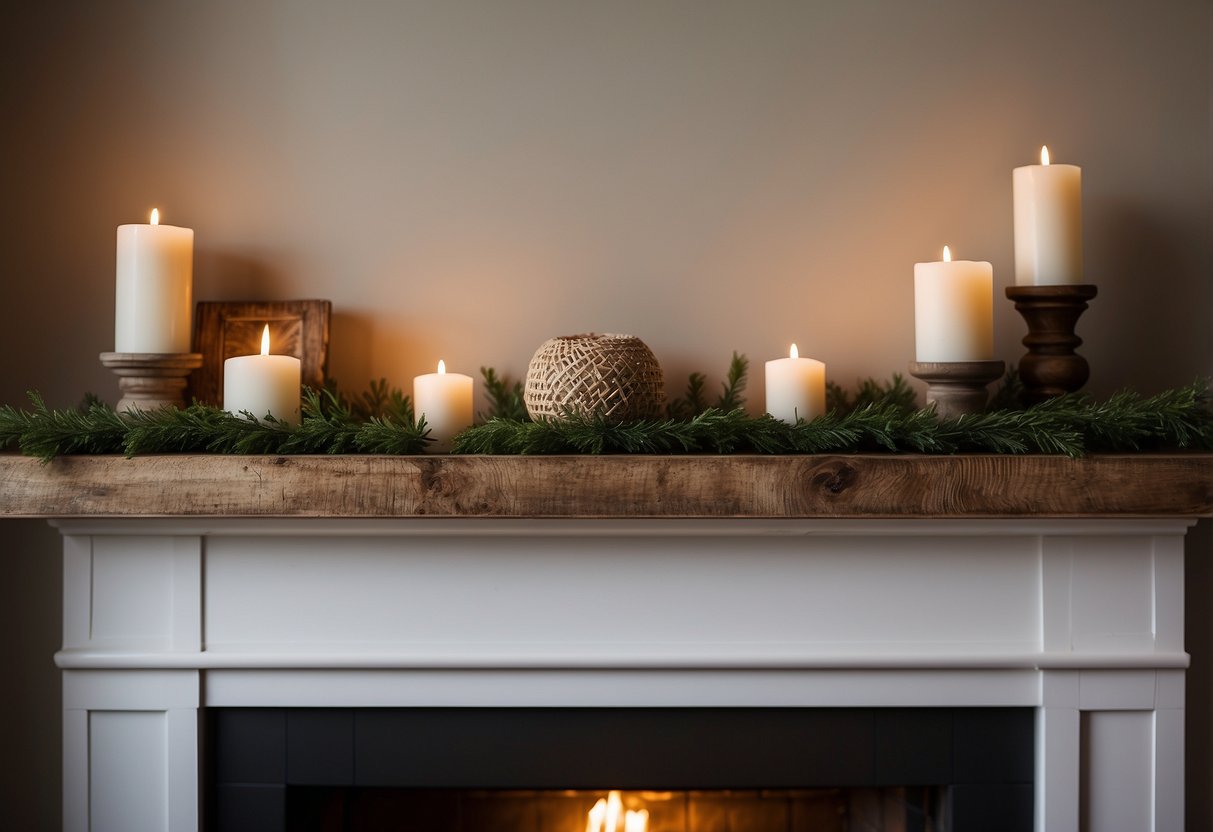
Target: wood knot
835 480
431 477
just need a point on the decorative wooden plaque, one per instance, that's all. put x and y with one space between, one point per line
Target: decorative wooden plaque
224 330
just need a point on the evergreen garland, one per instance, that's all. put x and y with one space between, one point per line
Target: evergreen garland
1070 425
378 422
879 416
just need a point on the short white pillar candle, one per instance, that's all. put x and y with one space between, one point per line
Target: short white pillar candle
445 400
954 310
155 282
1048 223
263 384
796 387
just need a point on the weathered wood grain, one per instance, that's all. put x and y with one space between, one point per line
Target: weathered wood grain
828 486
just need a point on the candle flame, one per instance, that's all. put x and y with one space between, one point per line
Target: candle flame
793 352
441 367
1044 154
155 216
636 821
265 340
947 254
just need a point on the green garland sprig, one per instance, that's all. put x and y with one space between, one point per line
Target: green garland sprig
93 428
897 393
1072 425
505 397
880 416
330 425
694 402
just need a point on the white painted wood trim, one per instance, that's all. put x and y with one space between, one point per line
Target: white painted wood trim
1076 618
620 688
469 656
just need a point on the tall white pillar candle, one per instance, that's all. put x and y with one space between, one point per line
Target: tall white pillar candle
263 384
155 280
954 310
445 400
796 387
1048 223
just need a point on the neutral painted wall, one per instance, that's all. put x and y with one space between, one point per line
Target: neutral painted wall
464 180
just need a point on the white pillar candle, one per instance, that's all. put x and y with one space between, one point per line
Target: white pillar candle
1048 223
445 400
796 387
263 384
155 279
954 310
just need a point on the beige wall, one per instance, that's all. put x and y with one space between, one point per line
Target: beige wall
464 180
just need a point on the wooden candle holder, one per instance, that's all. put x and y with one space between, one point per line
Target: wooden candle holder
148 380
957 387
1051 367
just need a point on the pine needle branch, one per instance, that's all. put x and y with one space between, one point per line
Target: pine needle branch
505 398
872 393
386 436
692 402
47 433
203 429
733 388
328 426
13 423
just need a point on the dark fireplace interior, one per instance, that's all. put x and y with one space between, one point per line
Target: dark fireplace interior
688 769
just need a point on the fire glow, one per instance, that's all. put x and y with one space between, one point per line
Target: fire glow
608 813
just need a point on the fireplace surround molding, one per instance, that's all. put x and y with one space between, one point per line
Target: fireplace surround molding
1079 618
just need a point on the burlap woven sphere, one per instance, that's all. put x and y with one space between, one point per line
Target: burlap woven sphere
613 376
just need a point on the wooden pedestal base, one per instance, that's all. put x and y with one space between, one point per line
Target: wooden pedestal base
1051 366
957 387
149 381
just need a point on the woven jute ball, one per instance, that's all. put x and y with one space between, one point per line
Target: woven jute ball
616 377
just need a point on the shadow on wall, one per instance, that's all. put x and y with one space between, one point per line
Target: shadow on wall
1150 262
220 275
350 349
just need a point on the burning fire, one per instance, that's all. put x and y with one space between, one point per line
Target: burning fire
608 812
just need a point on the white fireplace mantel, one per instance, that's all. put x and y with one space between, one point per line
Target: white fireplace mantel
1080 618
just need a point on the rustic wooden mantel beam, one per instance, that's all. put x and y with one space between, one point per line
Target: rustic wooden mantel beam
827 486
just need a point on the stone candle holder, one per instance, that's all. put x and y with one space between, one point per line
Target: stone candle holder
149 381
1051 367
957 387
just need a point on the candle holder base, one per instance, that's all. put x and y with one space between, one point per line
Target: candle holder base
1051 367
957 387
150 380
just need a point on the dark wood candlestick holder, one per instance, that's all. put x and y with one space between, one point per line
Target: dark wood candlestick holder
1051 367
957 387
149 380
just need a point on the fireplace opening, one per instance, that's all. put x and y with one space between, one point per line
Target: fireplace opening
337 809
575 769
